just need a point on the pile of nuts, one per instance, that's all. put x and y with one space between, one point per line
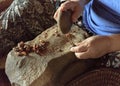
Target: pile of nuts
70 37
23 49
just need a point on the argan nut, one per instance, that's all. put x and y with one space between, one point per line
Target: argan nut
24 53
21 44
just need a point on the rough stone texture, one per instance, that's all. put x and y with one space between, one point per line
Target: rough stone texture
55 67
24 20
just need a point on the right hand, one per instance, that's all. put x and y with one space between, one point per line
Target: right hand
74 5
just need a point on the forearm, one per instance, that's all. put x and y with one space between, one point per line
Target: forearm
115 42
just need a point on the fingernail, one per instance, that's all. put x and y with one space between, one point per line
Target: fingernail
72 49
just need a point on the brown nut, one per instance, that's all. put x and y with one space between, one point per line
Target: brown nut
21 44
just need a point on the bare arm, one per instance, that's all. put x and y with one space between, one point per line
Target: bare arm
115 42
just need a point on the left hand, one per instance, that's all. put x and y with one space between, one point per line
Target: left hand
92 47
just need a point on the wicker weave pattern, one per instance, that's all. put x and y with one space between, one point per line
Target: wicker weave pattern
99 77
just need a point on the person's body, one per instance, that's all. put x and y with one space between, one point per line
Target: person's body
100 17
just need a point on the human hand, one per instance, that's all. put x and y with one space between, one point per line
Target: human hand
92 47
74 5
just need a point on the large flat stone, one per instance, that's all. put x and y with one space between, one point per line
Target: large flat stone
55 67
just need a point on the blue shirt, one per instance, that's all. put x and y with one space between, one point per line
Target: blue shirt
102 17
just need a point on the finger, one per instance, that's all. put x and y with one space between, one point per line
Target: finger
76 14
83 55
71 5
78 49
77 44
55 15
67 5
61 8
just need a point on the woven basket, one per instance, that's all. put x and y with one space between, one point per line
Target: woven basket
98 77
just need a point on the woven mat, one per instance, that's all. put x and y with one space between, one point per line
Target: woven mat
98 77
